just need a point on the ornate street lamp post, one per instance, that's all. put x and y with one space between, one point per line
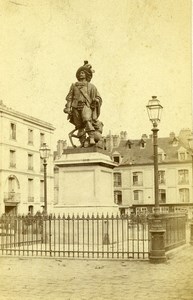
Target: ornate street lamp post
157 251
44 154
154 110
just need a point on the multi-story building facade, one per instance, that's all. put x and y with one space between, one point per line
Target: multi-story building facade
21 168
134 174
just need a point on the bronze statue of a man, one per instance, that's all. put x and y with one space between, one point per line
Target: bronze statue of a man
83 106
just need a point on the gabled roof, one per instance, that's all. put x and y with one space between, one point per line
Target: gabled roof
137 155
115 153
182 149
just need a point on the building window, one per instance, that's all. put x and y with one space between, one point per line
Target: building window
13 131
182 156
138 195
116 159
30 190
41 190
118 197
30 161
31 210
162 196
184 195
183 177
42 138
137 178
117 179
11 184
30 136
142 145
161 177
12 162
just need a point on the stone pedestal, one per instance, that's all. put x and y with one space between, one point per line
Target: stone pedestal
85 181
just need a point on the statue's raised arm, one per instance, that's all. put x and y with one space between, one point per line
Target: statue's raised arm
83 104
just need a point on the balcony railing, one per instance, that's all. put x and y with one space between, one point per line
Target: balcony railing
183 181
12 197
30 199
162 181
117 184
138 183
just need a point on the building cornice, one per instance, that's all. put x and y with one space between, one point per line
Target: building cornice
9 111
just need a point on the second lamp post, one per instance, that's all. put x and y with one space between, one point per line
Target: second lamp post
157 251
44 154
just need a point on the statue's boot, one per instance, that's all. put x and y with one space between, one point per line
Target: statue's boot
82 136
90 131
91 137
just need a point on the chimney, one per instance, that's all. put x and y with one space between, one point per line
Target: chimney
61 145
109 142
123 135
115 141
184 133
172 135
144 136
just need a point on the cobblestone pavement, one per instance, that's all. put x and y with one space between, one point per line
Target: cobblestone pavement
55 278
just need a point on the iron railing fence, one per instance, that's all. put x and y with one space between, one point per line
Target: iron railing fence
175 227
114 237
87 236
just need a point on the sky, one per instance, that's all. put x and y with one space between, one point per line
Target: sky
138 49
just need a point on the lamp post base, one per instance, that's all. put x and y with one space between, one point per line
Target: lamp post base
157 252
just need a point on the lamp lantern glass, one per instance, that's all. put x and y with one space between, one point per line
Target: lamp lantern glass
154 109
44 151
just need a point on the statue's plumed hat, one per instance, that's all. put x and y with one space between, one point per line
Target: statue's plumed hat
87 68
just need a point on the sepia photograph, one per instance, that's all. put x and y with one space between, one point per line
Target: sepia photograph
96 150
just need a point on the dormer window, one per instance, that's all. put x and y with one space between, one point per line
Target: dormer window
129 144
142 144
182 154
175 142
116 157
161 155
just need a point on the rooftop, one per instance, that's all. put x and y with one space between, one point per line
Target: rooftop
140 151
12 112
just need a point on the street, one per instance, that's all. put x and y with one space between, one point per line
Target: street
56 278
